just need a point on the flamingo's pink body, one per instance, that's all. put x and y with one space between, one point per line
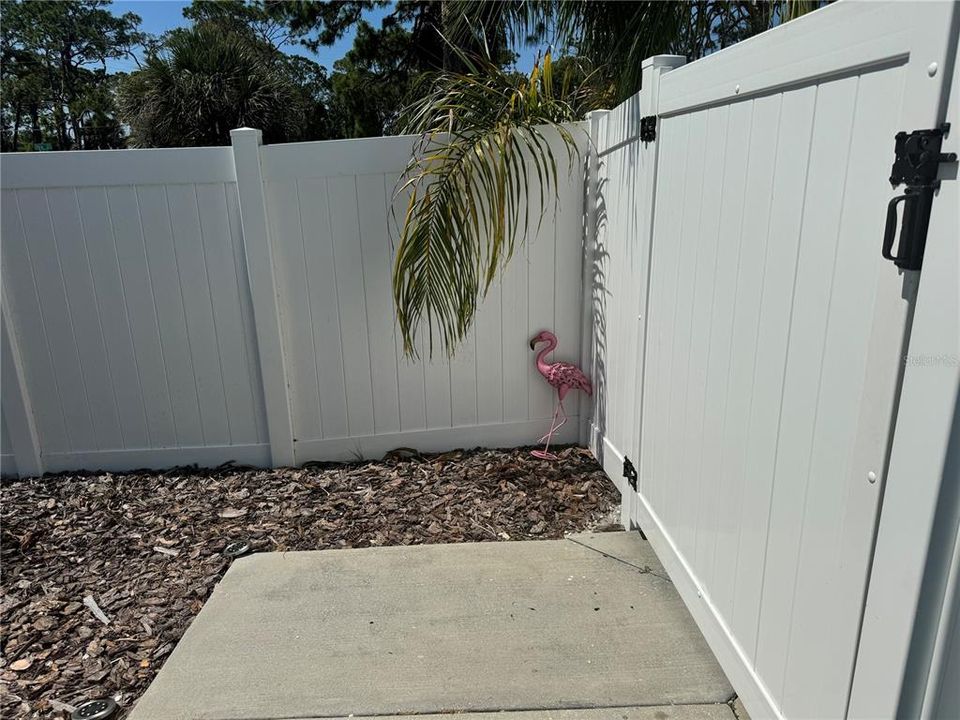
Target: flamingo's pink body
564 377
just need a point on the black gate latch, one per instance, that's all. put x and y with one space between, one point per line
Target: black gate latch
630 473
917 160
648 128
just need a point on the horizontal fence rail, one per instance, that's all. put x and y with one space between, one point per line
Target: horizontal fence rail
207 305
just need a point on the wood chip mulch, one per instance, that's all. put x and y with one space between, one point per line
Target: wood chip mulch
143 549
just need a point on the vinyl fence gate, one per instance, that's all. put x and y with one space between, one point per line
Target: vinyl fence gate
748 340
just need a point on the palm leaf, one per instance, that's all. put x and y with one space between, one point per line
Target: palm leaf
486 136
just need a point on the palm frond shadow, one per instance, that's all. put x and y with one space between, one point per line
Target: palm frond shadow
598 258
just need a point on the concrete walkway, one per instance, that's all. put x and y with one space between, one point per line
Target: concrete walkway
581 624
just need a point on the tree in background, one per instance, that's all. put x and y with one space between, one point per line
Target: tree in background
379 75
253 18
616 37
53 70
56 88
205 81
225 69
315 23
371 83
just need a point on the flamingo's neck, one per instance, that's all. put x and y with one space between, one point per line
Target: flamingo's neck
542 364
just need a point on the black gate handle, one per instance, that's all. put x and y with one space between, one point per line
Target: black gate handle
890 231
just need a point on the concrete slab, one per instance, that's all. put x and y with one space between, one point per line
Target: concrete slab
587 622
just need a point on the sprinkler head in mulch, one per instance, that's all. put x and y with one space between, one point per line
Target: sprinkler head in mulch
99 709
235 549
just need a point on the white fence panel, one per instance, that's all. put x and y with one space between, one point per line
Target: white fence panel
774 334
332 219
125 280
212 304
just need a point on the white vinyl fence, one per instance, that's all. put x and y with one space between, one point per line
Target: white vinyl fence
787 397
750 341
165 307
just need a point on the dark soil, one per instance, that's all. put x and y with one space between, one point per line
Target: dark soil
146 547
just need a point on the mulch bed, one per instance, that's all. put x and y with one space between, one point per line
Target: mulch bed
146 547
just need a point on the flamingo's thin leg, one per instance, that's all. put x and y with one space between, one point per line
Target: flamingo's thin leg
563 412
546 448
552 426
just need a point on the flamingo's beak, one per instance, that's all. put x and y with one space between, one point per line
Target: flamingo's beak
533 344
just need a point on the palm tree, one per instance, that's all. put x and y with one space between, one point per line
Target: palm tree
484 135
205 81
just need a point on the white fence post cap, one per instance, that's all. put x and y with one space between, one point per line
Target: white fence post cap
664 61
247 132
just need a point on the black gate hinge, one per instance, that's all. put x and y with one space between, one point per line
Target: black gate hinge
630 473
916 163
648 128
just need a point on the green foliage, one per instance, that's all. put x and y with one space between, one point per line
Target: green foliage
371 83
319 22
256 20
381 73
55 86
206 81
486 136
616 37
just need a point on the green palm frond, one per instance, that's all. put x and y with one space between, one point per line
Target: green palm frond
486 138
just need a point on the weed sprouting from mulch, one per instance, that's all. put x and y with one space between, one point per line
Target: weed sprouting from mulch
145 548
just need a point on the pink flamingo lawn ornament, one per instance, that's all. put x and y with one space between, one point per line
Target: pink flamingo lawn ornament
564 377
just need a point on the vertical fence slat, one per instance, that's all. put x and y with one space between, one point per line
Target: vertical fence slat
166 292
325 305
112 312
21 288
201 327
375 245
294 278
238 377
354 317
69 233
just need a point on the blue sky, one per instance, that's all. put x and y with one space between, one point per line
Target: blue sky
161 15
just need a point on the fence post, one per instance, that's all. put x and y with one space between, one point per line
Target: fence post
263 290
16 401
652 71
